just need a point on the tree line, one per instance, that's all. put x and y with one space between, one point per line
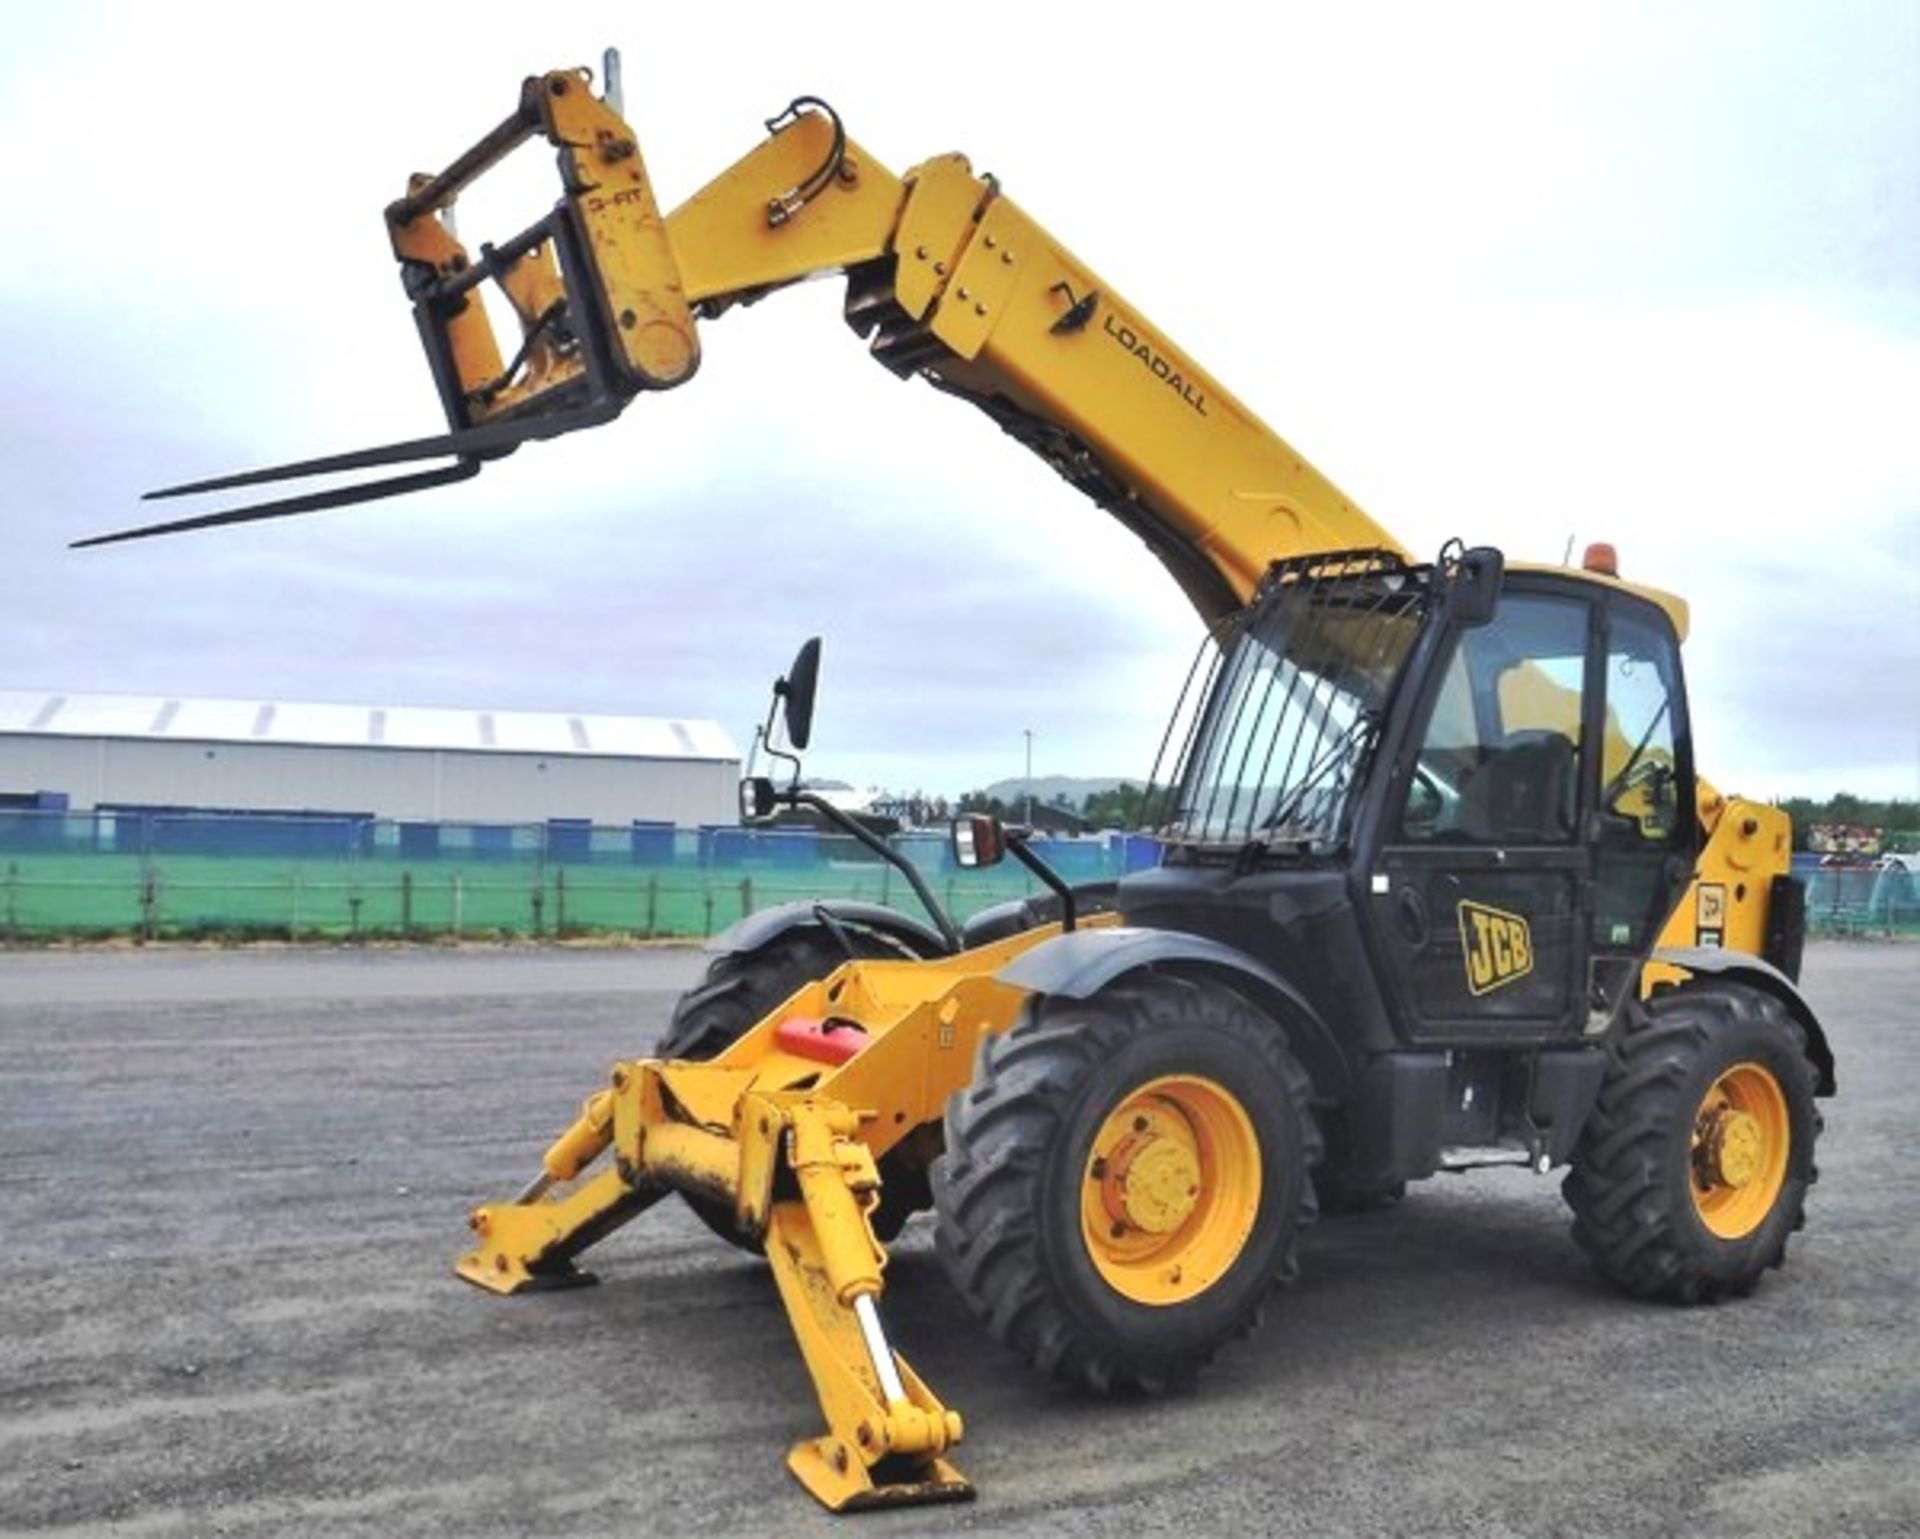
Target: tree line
1895 816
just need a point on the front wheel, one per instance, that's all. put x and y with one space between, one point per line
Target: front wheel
1125 1180
1694 1167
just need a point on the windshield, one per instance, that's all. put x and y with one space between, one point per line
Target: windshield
1288 715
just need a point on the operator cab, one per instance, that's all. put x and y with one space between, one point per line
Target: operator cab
1453 802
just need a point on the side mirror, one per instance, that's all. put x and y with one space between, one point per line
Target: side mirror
796 692
978 841
1472 582
757 799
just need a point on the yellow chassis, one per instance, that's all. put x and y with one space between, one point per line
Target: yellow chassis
791 1145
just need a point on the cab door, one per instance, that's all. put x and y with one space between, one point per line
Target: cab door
1481 889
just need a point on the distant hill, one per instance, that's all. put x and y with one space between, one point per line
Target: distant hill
1075 788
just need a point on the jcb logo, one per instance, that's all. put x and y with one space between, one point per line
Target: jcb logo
1498 947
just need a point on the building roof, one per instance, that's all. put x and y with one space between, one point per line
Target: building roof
157 718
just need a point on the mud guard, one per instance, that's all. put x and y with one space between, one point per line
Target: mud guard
1080 964
1711 962
756 929
1001 920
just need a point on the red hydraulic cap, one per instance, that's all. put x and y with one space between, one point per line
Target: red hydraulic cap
1602 558
822 1041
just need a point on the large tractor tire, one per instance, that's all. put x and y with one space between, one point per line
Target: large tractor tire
1694 1166
739 989
1125 1180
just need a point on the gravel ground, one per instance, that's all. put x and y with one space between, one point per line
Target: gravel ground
231 1184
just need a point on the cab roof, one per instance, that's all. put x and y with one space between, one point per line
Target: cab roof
1672 603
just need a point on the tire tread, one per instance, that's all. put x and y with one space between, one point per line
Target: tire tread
985 1186
1625 1217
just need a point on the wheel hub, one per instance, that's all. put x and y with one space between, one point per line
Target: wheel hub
1153 1179
1732 1148
1172 1189
1742 1137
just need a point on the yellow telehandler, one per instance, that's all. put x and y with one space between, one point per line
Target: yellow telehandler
1440 887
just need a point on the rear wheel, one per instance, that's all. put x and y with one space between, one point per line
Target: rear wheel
1125 1180
739 989
1694 1166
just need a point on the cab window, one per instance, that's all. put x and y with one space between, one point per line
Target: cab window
1500 760
1638 762
1643 822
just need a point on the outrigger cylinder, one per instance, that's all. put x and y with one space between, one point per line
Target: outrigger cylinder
868 1314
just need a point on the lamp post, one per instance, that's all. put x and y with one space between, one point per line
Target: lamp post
1027 732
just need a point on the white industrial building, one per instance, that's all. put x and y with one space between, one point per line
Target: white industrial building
409 763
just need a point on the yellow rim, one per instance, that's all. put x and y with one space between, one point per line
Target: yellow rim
1741 1137
1170 1190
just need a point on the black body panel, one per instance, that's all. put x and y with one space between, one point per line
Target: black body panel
1786 925
1299 921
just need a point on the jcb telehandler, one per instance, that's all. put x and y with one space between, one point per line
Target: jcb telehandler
1441 888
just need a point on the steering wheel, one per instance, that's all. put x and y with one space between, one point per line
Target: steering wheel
1653 779
1426 801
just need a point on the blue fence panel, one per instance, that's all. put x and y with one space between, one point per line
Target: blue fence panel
1078 860
491 841
30 832
570 841
791 849
653 843
295 838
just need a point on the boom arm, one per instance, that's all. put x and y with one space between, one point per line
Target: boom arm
948 279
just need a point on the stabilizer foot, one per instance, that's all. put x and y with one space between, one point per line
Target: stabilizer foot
529 1246
481 1269
841 1481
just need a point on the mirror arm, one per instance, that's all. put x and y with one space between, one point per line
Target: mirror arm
1017 843
847 823
764 739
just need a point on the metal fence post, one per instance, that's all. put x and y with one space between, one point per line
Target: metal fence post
653 904
13 900
459 897
406 903
560 903
746 896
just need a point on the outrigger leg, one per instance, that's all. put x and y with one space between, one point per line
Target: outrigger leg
797 1176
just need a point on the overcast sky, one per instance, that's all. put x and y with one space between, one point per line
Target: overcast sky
1648 274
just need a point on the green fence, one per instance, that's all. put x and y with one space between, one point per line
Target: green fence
174 877
1878 899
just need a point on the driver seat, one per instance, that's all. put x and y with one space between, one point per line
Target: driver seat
1523 791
